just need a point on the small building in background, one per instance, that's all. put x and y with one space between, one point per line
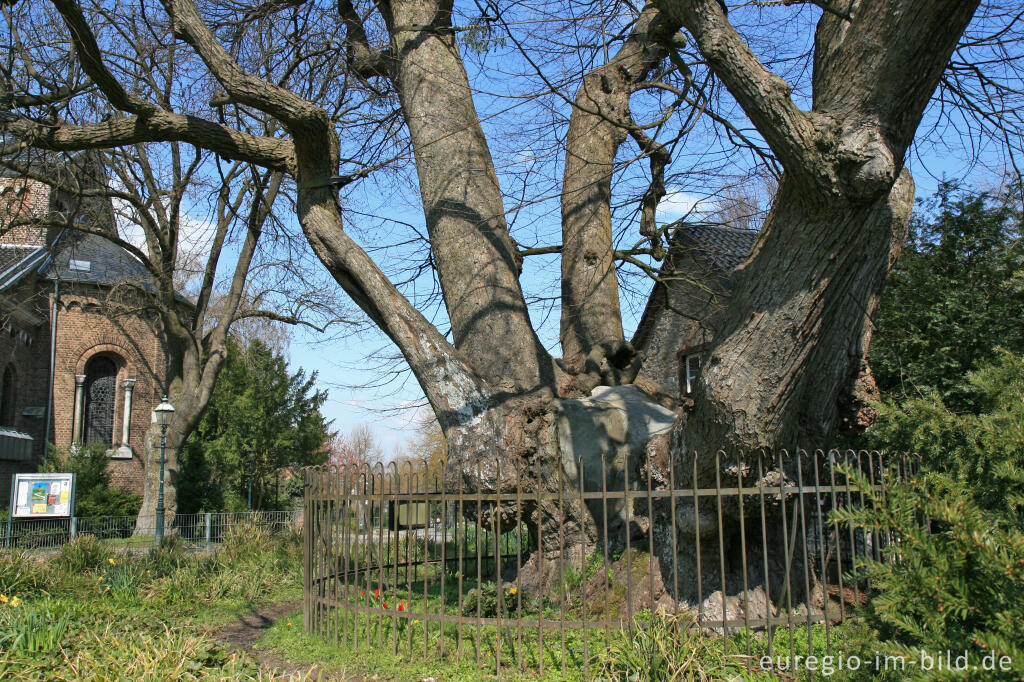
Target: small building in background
693 285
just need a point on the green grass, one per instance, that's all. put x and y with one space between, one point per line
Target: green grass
369 635
92 613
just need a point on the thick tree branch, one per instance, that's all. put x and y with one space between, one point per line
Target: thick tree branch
242 87
364 61
160 126
792 134
590 316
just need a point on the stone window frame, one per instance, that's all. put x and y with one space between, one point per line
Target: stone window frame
99 428
122 358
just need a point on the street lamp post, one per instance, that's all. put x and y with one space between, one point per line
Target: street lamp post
162 416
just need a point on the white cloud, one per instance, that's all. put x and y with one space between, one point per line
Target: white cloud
677 204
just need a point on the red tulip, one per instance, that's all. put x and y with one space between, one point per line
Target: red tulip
362 594
376 593
401 605
385 604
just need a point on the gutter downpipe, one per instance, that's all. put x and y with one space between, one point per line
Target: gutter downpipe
53 359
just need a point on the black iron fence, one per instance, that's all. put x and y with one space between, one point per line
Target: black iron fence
199 531
542 569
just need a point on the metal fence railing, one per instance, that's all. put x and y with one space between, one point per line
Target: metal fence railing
529 569
199 531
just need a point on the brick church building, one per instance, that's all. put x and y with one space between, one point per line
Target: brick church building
81 359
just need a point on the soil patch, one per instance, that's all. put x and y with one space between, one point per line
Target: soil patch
244 632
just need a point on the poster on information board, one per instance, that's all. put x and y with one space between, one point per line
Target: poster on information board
42 496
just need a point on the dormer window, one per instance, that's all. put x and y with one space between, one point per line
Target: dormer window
80 265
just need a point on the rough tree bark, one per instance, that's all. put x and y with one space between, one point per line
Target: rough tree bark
475 257
591 322
785 348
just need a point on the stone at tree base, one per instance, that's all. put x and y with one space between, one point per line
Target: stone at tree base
607 431
632 586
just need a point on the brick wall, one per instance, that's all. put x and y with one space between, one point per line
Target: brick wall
24 348
86 329
22 199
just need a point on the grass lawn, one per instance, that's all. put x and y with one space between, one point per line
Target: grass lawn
92 612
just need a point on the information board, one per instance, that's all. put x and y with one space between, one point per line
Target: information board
39 496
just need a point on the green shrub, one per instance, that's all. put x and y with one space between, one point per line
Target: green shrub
167 556
84 553
245 539
123 577
957 581
983 451
20 574
487 595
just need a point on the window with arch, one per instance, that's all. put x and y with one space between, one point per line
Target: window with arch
100 392
7 396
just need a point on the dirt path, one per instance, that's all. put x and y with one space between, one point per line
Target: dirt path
243 633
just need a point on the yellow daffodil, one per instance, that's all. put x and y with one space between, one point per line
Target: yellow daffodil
3 599
15 602
416 622
111 561
513 590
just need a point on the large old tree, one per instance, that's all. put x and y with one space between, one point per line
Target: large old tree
789 348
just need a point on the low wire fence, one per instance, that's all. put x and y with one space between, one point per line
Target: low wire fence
199 531
536 570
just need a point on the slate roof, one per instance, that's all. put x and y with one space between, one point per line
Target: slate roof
12 254
96 261
41 161
721 248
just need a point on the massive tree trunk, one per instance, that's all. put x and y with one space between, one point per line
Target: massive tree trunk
591 321
787 345
475 257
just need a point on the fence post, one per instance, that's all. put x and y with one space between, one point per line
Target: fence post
208 531
73 532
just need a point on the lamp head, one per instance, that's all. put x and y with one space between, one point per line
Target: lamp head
163 413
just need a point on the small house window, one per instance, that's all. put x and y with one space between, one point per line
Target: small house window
690 367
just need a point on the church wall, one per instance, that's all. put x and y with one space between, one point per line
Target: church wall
24 348
85 329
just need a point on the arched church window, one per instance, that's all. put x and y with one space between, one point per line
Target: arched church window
7 395
100 391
